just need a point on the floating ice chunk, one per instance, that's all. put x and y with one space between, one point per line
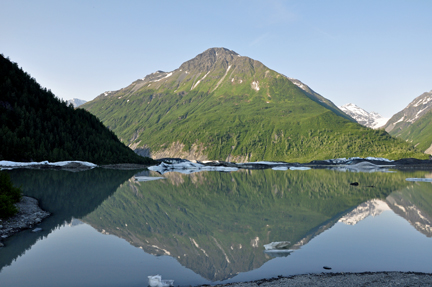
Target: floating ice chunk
366 166
345 160
147 178
269 162
278 247
156 281
420 179
299 168
280 168
188 167
379 158
13 164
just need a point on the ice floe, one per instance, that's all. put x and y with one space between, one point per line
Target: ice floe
268 162
278 247
156 281
13 164
147 178
280 168
420 179
348 160
188 167
299 168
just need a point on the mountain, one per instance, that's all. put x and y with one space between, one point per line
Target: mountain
370 120
36 126
414 123
76 102
220 105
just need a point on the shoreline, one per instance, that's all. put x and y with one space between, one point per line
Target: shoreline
378 279
358 164
29 215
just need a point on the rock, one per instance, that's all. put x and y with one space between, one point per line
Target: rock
4 236
1 244
37 229
1 226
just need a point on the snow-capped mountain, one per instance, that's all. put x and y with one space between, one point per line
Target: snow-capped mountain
372 207
76 102
370 120
414 111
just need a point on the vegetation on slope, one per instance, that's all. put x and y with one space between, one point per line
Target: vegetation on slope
419 133
36 126
9 195
233 107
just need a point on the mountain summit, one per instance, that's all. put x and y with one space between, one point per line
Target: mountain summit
370 120
221 105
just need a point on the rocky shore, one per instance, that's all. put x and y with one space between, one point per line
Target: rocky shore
372 279
28 216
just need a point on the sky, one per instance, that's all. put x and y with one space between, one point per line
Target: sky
373 53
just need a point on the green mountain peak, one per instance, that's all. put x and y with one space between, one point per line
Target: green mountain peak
220 105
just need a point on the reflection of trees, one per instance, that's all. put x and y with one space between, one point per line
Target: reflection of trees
216 223
65 195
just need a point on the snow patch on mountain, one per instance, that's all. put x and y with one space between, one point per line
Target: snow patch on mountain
76 102
370 120
255 85
372 207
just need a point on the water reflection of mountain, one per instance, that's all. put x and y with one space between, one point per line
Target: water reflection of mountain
216 223
66 195
413 203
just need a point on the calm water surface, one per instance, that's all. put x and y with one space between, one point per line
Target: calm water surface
107 229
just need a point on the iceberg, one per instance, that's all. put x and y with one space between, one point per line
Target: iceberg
156 281
13 164
280 168
420 179
299 168
348 160
278 246
188 167
147 178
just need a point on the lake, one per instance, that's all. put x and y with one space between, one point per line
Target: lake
107 229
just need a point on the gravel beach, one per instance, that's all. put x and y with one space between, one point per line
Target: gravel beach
344 279
29 214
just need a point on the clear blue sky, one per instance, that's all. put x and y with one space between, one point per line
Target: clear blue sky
376 54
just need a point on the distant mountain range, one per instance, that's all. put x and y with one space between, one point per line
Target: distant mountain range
221 105
76 102
414 123
370 120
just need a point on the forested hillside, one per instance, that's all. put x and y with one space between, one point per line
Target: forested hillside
223 106
36 126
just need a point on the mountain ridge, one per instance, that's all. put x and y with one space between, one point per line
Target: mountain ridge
368 119
76 102
413 123
220 105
